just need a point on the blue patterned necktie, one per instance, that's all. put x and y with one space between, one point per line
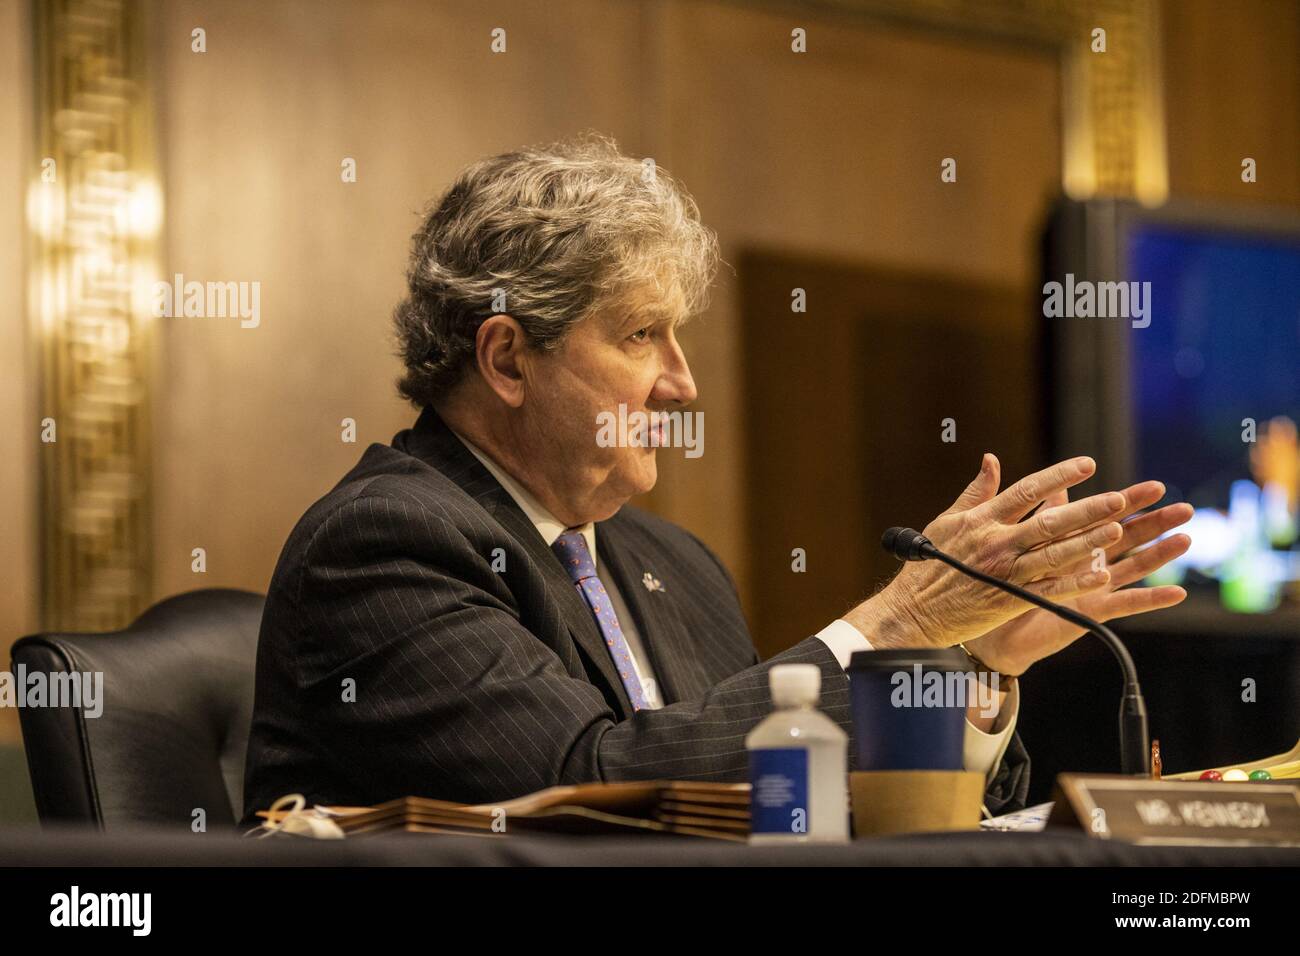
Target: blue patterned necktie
571 548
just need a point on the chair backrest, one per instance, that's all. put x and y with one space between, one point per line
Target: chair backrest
177 702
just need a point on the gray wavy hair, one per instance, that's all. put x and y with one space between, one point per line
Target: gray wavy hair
559 232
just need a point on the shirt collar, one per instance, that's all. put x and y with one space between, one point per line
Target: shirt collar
547 525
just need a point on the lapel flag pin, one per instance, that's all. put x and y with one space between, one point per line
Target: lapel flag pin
651 582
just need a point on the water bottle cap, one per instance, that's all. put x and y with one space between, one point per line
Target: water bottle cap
795 685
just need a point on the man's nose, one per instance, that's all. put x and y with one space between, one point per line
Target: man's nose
675 383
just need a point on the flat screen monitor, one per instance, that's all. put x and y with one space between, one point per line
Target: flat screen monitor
1172 341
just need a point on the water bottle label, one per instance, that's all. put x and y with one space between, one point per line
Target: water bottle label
778 799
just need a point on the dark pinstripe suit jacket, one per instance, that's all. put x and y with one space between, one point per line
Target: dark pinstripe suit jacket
394 660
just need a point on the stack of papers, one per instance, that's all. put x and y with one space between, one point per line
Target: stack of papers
712 810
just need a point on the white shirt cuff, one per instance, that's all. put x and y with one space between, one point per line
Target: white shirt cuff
843 639
981 751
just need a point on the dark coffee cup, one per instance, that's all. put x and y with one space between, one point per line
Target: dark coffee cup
906 715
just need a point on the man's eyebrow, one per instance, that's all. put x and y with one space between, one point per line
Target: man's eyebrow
658 312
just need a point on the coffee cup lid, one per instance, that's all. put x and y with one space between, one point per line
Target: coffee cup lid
892 658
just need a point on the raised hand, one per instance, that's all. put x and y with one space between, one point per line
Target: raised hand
930 604
1014 646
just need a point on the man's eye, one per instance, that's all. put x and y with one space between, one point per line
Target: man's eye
640 335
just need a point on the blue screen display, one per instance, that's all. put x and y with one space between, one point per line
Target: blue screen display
1216 393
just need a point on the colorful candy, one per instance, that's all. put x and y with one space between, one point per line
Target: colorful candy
1260 775
1211 775
1235 775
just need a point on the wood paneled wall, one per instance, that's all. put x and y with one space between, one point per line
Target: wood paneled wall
1232 90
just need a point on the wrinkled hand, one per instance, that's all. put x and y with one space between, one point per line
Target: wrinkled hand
1017 644
928 604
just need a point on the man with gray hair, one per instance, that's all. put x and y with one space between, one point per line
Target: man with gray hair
475 612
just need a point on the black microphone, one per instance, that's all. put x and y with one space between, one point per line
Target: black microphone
909 545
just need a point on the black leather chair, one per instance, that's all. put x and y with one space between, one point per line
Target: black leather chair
176 709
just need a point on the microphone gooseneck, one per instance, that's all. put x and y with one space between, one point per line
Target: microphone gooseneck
907 544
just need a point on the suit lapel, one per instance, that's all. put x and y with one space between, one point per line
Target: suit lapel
665 635
577 613
432 441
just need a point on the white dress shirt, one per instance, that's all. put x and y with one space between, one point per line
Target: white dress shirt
982 752
550 528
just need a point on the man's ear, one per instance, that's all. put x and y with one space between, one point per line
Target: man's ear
498 348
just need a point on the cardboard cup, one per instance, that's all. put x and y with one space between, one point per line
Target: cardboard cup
915 801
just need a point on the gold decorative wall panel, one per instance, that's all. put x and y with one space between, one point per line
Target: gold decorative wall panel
94 211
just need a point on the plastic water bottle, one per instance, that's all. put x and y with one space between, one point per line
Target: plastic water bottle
798 765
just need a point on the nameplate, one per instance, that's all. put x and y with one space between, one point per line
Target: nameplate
1173 812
